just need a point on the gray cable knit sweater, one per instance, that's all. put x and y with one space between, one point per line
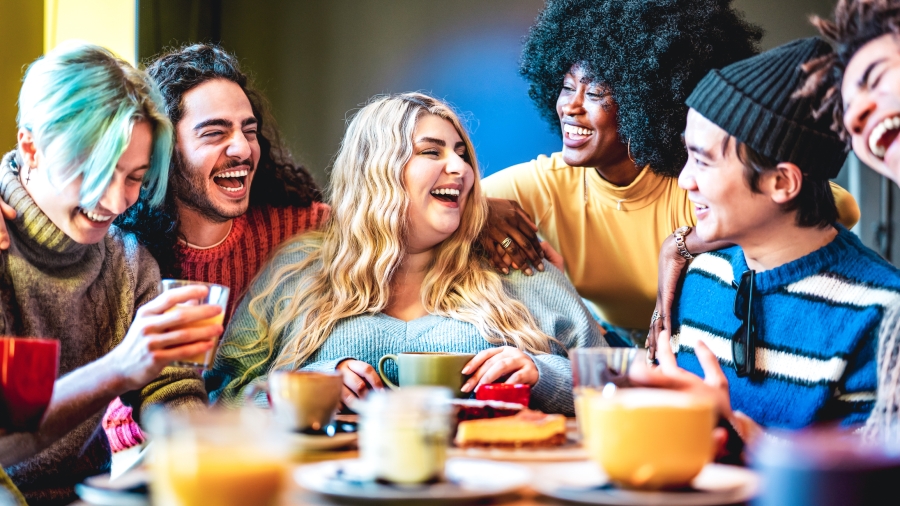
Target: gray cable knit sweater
549 296
85 296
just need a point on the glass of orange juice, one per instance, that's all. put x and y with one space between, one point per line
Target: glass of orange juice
216 296
226 458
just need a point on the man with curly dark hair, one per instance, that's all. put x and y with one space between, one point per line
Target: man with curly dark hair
612 76
863 81
234 192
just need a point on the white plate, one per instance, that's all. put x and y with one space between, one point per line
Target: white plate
565 453
584 482
305 442
466 479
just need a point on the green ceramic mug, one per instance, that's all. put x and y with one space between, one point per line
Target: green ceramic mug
415 368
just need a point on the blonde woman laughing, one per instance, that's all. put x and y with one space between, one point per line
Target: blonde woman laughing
396 269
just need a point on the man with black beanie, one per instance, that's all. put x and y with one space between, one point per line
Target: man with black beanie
793 311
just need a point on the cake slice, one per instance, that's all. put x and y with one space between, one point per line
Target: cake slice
526 429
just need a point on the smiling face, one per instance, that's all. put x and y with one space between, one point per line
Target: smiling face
62 205
871 95
217 151
587 116
438 179
726 208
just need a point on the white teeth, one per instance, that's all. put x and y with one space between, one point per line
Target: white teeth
577 130
700 206
886 125
96 217
445 191
233 173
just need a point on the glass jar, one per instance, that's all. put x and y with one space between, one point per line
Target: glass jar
404 434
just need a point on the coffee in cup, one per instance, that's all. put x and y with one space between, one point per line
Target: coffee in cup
650 438
428 369
303 401
28 369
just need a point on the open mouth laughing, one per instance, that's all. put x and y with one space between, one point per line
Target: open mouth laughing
231 181
97 218
883 135
576 132
448 194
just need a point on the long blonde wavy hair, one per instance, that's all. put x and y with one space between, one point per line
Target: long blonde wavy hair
363 243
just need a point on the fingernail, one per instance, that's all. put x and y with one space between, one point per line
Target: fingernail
467 387
514 266
540 266
505 270
528 271
465 370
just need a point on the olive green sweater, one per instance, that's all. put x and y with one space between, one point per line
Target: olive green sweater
85 295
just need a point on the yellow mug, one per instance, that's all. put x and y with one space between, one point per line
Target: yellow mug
650 438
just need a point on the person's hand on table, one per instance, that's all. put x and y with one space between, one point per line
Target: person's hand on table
359 378
671 267
507 220
158 337
8 214
503 361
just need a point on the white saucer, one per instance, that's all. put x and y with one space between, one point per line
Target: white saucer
101 491
466 479
584 482
305 442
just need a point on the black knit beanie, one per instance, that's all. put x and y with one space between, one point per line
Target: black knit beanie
752 100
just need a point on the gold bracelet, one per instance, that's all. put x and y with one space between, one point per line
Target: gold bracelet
679 242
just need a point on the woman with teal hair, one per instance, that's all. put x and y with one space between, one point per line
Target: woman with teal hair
91 139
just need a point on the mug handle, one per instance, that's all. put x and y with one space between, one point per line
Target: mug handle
381 373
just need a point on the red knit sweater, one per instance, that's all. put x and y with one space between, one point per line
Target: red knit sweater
253 237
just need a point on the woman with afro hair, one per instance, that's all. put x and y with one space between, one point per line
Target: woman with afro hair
611 76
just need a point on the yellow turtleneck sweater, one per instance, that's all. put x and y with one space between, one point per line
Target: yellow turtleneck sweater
610 236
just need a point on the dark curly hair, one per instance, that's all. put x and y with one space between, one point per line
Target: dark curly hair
278 181
855 24
649 53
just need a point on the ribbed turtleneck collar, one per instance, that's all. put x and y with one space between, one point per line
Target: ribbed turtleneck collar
39 237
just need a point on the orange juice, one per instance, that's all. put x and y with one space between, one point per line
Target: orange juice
203 359
185 475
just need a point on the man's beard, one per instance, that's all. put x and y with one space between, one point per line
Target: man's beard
191 188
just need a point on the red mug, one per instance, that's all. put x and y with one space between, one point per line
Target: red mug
517 393
28 368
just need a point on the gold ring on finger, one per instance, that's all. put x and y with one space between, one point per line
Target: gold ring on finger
506 243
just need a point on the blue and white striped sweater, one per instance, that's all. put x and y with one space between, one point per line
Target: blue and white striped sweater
818 319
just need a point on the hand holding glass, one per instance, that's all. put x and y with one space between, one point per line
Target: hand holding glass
217 295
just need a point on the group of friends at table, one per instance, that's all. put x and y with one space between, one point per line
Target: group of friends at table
689 211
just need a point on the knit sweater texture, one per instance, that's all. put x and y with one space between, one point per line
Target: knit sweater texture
549 296
818 320
84 295
254 235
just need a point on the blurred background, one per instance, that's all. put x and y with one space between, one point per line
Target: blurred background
319 60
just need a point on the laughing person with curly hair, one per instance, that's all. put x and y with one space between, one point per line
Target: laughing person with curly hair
612 76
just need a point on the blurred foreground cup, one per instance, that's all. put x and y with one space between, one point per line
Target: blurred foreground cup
302 401
824 467
226 458
404 434
592 370
650 438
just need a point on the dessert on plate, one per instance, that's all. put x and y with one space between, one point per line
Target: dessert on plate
526 429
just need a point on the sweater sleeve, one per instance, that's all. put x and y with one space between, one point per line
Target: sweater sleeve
560 314
244 359
524 184
176 388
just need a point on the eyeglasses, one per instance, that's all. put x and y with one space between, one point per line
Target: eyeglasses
743 344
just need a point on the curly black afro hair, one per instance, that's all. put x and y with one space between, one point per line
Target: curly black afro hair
649 53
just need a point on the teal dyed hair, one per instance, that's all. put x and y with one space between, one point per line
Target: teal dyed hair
80 102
